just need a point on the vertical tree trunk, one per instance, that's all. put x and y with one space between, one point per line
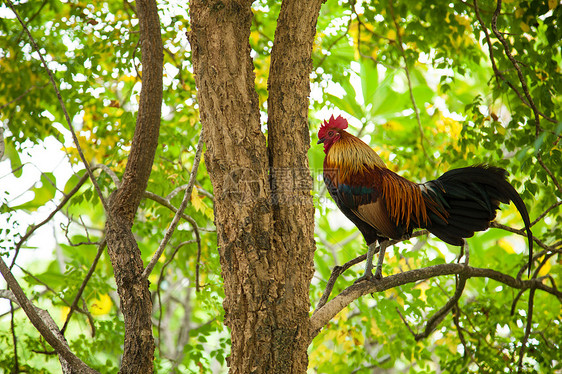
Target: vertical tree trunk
291 183
264 222
136 303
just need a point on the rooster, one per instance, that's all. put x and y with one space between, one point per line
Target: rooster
383 205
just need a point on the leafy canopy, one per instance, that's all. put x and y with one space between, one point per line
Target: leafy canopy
428 84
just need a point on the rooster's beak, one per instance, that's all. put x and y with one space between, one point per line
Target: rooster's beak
320 141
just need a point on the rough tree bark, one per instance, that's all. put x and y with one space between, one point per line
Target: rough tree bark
291 182
263 207
122 247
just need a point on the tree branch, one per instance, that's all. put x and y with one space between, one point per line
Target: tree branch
166 202
338 270
521 232
456 312
323 315
498 74
550 173
515 64
179 212
111 174
528 327
74 305
23 94
14 338
122 247
543 214
333 43
43 323
436 318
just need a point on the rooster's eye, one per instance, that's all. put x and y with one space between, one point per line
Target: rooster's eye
330 133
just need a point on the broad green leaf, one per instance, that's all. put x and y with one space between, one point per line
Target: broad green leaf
11 153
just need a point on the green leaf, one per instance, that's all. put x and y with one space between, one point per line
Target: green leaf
12 154
538 142
73 181
42 194
369 80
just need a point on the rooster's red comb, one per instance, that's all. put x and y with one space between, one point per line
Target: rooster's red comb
337 123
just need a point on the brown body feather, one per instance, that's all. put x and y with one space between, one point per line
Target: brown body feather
388 202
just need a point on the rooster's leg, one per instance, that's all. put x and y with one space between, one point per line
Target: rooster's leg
378 270
368 275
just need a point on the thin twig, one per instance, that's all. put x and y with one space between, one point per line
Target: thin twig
74 304
550 173
164 202
88 315
436 319
551 251
410 88
557 204
405 322
22 95
31 19
336 272
58 295
63 107
521 233
109 172
334 42
534 108
498 74
66 229
47 287
179 213
456 312
134 57
158 286
507 51
14 337
206 193
176 191
527 328
359 24
33 228
62 203
547 256
334 248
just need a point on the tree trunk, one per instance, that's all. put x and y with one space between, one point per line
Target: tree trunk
136 303
291 182
264 222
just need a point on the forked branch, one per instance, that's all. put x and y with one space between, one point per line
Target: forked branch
43 324
338 270
179 212
323 315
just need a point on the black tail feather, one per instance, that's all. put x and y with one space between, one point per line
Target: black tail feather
471 196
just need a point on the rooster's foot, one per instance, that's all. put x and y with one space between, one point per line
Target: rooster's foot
369 277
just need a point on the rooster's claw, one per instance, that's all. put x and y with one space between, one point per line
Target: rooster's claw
369 277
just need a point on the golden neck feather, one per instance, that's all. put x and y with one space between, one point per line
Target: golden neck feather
352 154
